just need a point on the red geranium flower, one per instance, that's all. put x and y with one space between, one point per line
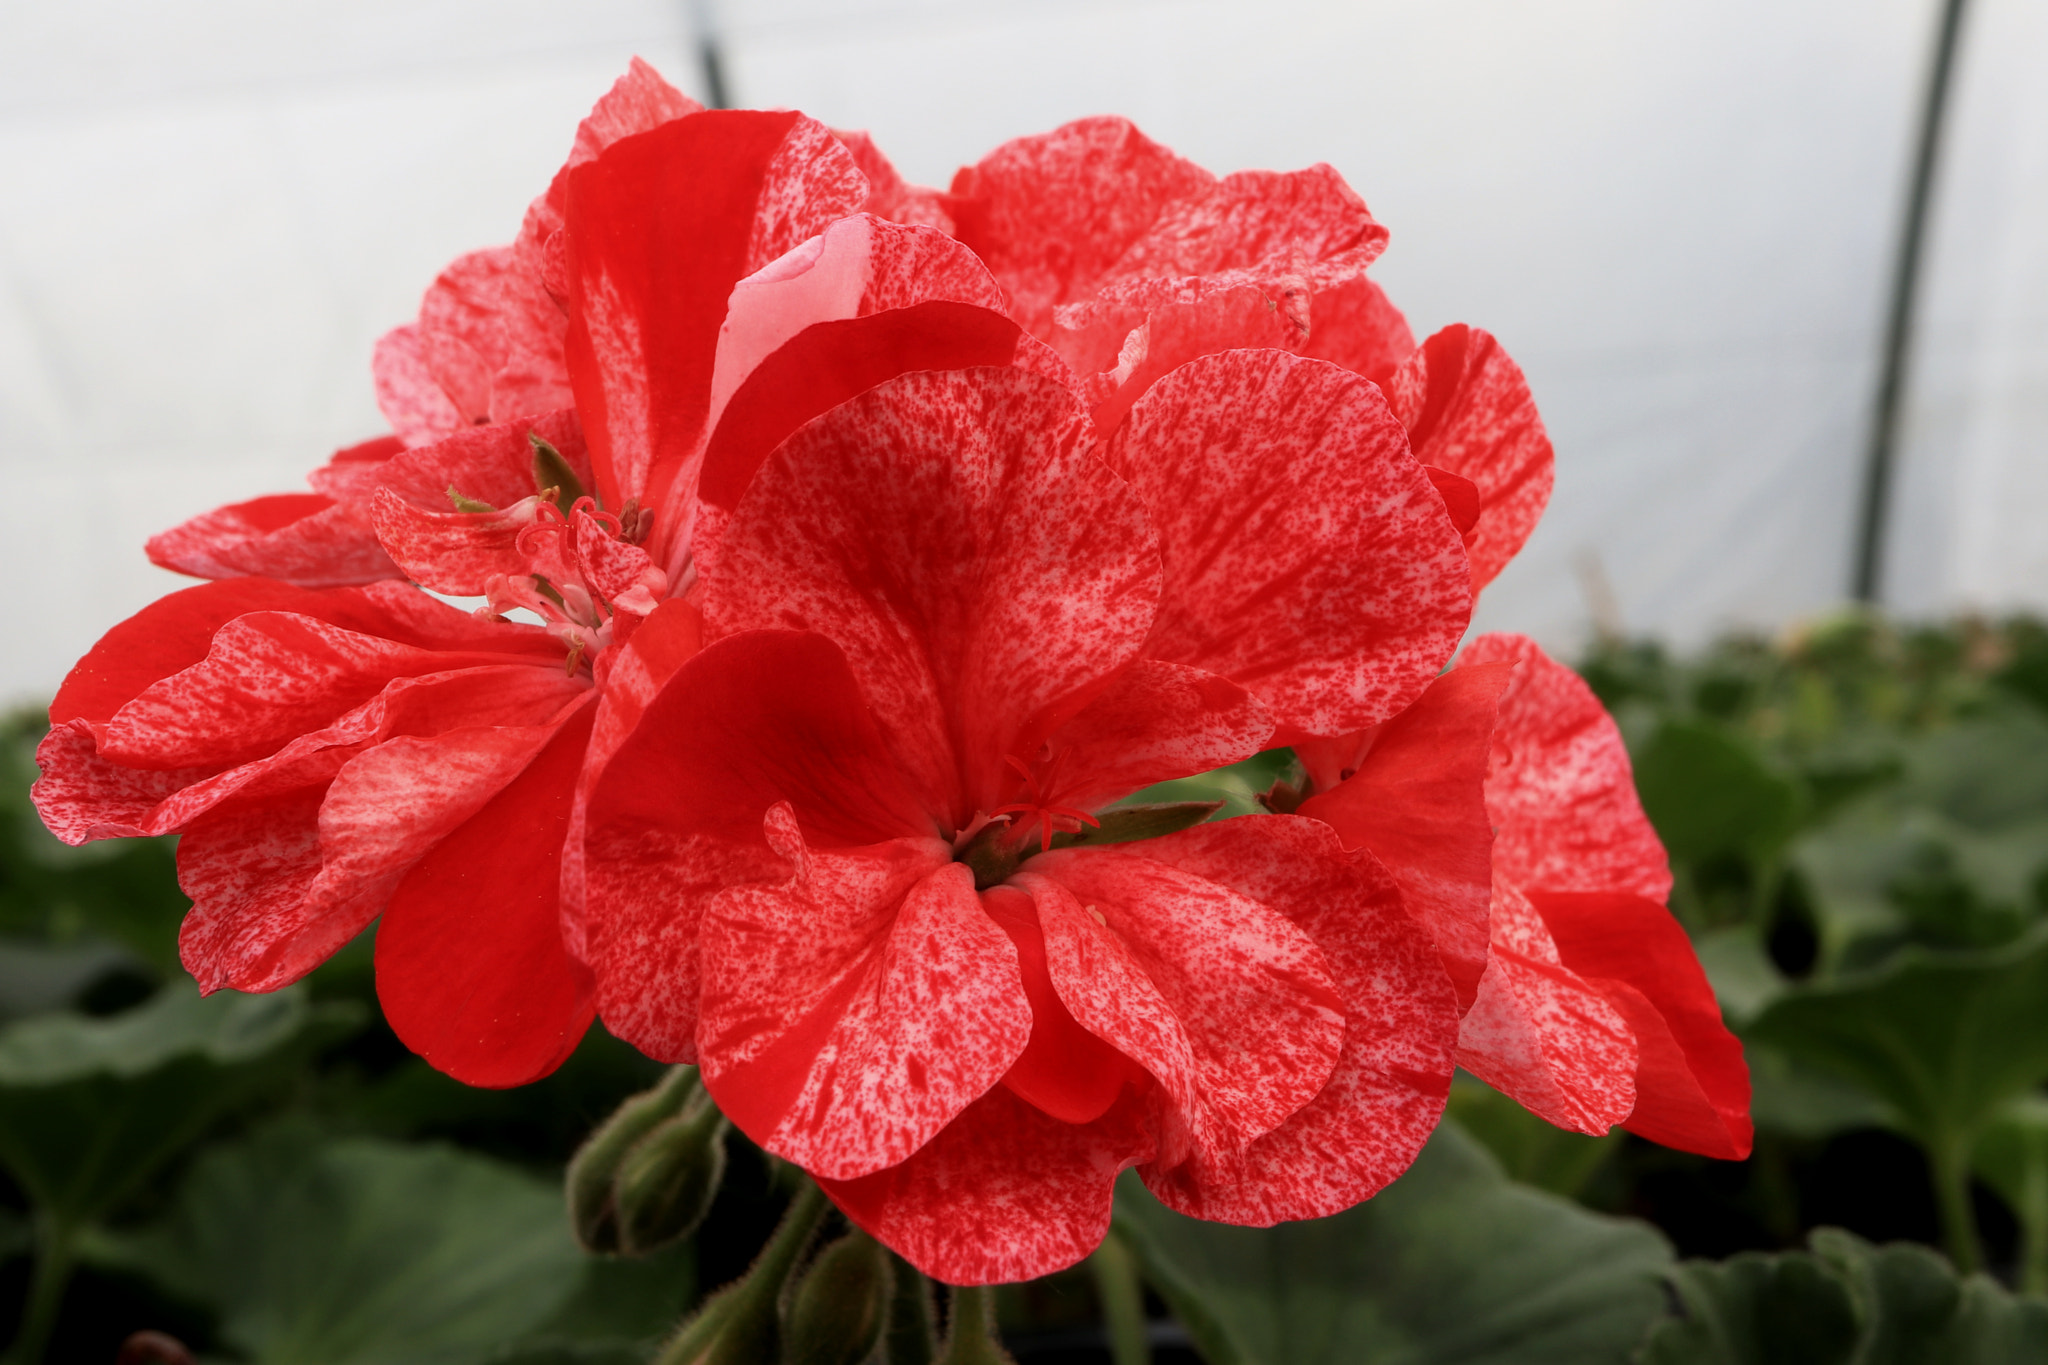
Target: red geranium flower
1592 1009
330 752
945 628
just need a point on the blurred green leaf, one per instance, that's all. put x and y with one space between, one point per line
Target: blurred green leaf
1529 1149
1707 793
1844 1301
90 1108
318 1251
1450 1263
1944 1039
2012 1157
1754 1309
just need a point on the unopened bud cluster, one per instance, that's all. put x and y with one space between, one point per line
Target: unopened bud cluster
646 1178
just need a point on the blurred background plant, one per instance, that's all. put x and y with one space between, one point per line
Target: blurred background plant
1858 821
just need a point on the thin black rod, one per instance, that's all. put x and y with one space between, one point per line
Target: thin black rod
710 55
1898 331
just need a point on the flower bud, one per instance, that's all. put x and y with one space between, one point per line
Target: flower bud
841 1304
592 1171
666 1181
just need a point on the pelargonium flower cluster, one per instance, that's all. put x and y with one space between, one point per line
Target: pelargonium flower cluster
848 553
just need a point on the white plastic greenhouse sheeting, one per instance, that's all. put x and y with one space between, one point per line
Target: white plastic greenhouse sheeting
1678 214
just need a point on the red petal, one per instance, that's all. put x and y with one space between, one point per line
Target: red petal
628 678
1468 410
831 362
1460 495
350 473
280 881
1269 219
676 813
1355 325
1308 559
1194 318
984 574
300 538
1052 214
471 970
1003 1193
1561 793
408 394
741 188
268 677
1156 723
1223 1000
1692 1086
1064 1070
1417 801
170 634
463 325
1379 1106
1542 1034
889 195
853 1011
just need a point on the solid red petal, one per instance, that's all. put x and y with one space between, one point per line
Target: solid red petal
1156 723
300 538
1461 498
742 188
1692 1085
853 1011
1365 1125
1224 1000
1417 801
1051 214
1561 792
1355 325
1003 1193
471 970
408 395
1065 1070
985 575
675 815
1468 410
628 678
1542 1034
1308 559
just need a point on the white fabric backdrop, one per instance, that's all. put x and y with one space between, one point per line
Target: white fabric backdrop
1677 214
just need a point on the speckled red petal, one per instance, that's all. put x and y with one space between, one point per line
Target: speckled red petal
1468 410
1561 791
1308 559
1365 1125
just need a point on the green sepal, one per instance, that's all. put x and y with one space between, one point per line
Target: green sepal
1127 824
551 470
467 504
593 1212
838 1310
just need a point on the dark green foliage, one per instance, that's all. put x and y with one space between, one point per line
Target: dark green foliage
1453 1262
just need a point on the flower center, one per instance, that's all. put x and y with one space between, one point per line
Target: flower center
581 574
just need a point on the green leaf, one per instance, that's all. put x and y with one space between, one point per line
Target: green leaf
1754 1309
1945 1040
1844 1301
2012 1157
90 1108
1529 1149
1451 1263
1708 794
338 1251
1127 824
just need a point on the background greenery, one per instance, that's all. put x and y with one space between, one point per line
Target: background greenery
1858 820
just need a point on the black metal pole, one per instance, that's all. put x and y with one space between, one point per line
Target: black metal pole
710 55
1868 571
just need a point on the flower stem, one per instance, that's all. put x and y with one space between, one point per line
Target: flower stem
971 1328
1123 1302
1952 1196
911 1340
740 1322
52 1275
